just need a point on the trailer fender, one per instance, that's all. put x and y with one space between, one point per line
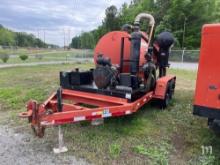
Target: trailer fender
162 86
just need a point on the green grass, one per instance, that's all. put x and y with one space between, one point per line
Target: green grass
150 136
114 150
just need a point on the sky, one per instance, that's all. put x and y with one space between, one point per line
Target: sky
54 17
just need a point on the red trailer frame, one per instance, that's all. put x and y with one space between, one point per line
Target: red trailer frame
80 106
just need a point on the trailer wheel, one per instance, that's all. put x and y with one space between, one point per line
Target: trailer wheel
168 96
214 125
165 102
171 88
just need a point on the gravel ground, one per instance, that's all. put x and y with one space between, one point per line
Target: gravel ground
19 148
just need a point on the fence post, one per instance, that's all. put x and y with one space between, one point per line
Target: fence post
67 57
183 52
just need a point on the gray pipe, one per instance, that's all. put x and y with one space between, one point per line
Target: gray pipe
144 16
151 23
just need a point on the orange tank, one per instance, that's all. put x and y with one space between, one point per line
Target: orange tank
110 46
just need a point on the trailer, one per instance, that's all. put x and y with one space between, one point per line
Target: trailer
124 79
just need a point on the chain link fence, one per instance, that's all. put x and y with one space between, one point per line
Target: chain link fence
61 54
185 56
14 54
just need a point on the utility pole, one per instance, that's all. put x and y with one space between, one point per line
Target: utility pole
69 37
37 38
184 31
64 39
38 33
44 39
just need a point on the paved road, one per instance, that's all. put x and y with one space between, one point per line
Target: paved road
185 65
175 65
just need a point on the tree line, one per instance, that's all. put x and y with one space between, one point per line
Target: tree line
184 18
20 39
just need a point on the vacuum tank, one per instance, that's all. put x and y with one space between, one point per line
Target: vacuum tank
110 46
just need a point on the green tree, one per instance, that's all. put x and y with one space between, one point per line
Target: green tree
185 25
75 42
10 38
184 18
6 37
111 21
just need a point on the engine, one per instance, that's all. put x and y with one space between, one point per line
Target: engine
104 75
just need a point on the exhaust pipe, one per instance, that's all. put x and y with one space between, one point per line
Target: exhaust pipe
136 41
149 17
145 16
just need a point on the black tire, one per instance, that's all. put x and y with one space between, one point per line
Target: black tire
165 102
210 122
168 96
214 125
171 88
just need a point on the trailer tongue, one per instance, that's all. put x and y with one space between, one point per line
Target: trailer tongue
123 80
